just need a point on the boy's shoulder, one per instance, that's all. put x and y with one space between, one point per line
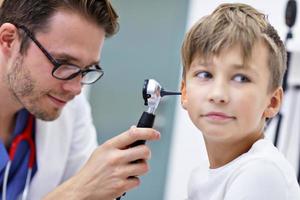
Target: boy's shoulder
263 157
263 153
262 171
263 167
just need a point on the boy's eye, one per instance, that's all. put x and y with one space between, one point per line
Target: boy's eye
241 78
204 75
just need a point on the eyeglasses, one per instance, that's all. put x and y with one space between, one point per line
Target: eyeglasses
65 71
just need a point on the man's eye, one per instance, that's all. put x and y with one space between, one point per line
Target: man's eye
241 78
204 75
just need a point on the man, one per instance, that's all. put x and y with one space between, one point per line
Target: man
48 50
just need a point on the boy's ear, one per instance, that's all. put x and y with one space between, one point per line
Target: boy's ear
183 94
274 104
8 36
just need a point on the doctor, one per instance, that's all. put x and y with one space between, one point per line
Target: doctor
49 49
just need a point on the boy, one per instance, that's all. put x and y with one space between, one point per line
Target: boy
234 62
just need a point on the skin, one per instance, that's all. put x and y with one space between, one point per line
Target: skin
229 101
26 82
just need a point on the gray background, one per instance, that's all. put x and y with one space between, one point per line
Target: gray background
147 46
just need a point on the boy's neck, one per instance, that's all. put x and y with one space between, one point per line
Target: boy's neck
221 153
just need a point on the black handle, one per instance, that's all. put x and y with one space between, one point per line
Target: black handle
146 121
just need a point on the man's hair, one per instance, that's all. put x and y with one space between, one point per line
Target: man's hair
232 24
35 14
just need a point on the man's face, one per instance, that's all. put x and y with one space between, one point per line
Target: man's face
70 38
226 100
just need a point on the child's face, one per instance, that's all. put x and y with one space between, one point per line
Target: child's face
226 100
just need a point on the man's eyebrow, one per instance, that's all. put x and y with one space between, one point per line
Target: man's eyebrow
64 56
69 58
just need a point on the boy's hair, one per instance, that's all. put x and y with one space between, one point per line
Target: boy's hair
35 14
232 24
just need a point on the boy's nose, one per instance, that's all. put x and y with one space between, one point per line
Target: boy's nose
218 93
73 86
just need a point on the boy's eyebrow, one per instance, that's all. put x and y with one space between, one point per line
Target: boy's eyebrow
204 63
235 66
240 66
245 67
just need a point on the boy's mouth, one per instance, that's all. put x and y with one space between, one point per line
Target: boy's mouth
218 116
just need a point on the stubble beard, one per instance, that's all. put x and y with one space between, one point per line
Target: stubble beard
23 88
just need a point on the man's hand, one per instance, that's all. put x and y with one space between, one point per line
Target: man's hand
111 169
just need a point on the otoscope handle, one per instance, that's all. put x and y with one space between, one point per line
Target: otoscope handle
146 121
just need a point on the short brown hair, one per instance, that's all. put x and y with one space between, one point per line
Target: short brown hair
35 14
231 24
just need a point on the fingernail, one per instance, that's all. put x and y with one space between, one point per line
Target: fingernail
132 127
157 133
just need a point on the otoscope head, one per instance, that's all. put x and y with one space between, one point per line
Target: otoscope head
152 93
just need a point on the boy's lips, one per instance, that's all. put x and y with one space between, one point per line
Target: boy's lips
218 116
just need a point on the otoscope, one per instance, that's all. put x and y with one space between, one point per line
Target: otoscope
152 93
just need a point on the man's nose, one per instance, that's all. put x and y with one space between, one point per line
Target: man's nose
73 86
219 92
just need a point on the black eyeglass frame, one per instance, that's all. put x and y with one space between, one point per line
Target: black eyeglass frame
57 64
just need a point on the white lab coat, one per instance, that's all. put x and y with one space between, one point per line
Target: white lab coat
63 146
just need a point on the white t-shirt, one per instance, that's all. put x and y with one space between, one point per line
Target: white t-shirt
260 174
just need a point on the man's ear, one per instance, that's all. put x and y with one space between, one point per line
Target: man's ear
183 94
274 104
8 37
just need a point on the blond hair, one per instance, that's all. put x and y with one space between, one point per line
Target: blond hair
231 24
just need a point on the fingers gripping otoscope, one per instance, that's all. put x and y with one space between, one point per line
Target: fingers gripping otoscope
152 94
